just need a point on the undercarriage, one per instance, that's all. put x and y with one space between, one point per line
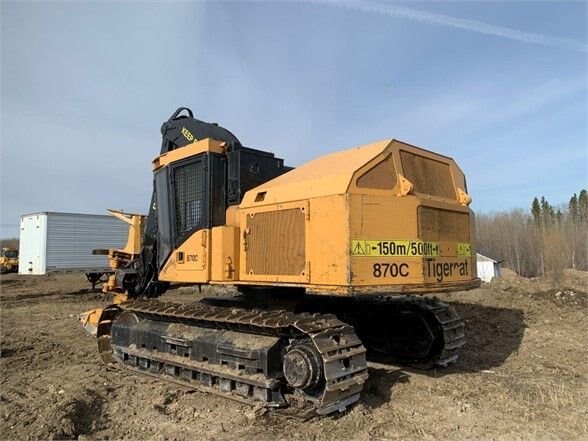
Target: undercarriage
417 331
299 355
299 364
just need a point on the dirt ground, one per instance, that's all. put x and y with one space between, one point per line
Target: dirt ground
522 375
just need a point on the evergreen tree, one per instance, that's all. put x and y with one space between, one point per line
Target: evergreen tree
536 211
573 208
583 206
547 212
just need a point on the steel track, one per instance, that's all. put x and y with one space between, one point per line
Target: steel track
342 356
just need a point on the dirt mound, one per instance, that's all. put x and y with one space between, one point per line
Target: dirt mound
522 375
570 289
507 273
576 280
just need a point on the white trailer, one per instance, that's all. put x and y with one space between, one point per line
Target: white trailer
63 242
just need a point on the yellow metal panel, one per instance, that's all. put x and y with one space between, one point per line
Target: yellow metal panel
225 254
379 217
386 271
327 175
383 163
432 173
389 249
190 262
383 217
136 223
473 246
448 269
204 145
328 241
326 246
232 216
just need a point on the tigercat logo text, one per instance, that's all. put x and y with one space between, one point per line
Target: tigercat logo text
446 269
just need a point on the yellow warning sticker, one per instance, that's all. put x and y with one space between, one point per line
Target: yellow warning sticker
464 249
394 248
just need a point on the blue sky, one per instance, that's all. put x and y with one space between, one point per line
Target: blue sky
499 86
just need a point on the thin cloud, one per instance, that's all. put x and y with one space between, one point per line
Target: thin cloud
458 23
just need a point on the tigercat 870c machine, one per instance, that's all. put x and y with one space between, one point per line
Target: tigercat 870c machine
331 260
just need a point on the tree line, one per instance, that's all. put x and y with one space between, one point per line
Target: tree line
9 243
543 241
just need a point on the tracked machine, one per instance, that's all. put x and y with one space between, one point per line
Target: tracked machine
333 261
8 260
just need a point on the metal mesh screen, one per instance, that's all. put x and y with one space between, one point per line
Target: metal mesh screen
427 175
189 197
443 225
382 176
275 244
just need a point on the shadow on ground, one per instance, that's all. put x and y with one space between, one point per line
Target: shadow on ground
492 335
378 388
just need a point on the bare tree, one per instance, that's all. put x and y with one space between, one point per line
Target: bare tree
545 240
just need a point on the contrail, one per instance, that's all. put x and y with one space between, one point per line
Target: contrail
457 23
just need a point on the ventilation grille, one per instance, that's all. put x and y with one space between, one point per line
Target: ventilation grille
382 176
189 197
443 225
275 243
427 175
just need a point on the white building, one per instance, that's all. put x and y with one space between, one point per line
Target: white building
487 267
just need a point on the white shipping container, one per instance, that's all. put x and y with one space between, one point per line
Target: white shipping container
60 242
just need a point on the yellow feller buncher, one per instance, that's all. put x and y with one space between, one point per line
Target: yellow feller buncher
8 260
333 261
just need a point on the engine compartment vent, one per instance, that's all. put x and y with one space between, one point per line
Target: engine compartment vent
275 243
443 225
427 175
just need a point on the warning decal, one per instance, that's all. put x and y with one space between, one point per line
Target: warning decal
358 248
399 248
464 249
